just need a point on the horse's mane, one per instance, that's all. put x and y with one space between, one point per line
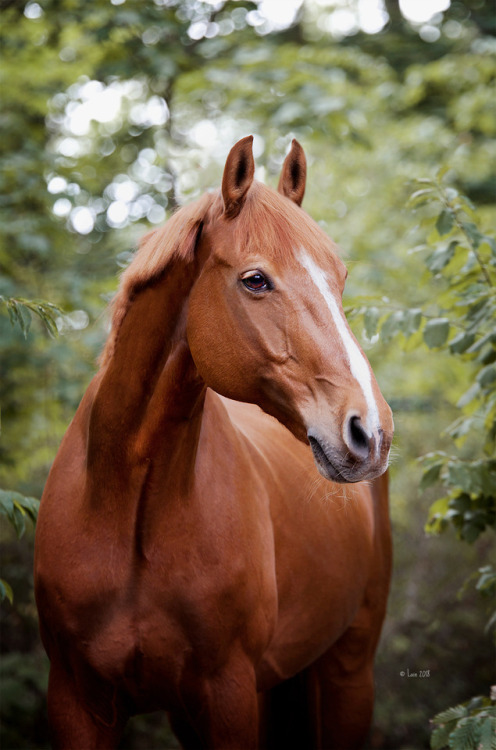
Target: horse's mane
268 221
175 240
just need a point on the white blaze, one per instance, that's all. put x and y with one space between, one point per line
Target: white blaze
358 364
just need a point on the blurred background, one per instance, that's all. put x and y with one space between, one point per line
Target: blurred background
113 113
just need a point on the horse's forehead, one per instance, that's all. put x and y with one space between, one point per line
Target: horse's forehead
323 260
282 252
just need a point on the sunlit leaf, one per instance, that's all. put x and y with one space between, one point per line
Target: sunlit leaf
6 591
16 507
419 197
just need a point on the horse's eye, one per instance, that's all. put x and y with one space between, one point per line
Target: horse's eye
256 281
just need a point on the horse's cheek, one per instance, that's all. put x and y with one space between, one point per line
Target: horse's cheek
220 352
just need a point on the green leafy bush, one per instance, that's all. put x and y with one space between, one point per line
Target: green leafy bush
13 505
469 726
23 685
460 261
16 508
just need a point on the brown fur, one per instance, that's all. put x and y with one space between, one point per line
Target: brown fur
158 248
268 220
189 557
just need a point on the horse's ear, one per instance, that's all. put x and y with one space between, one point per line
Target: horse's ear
238 176
294 174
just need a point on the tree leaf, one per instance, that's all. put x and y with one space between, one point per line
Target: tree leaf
491 623
430 476
451 714
472 233
370 321
441 172
392 325
487 579
468 396
19 520
470 532
462 342
437 520
6 591
440 737
420 196
411 321
20 311
487 376
487 734
445 222
436 332
464 736
16 506
441 257
461 503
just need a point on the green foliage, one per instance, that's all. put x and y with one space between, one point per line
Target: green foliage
13 505
373 112
486 586
487 581
462 260
21 311
16 508
461 322
469 726
6 591
461 263
23 684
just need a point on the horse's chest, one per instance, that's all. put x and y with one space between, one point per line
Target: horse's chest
169 621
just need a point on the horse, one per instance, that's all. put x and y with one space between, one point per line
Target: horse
213 538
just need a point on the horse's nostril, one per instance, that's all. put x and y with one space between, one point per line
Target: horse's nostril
358 440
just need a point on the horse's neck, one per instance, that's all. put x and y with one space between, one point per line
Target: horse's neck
150 390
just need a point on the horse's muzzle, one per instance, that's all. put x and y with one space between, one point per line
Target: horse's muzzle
360 457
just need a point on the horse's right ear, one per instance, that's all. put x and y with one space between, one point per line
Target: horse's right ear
238 176
294 174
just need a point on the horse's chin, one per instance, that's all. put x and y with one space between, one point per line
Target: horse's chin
325 466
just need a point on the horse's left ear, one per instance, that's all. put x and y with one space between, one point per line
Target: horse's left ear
238 176
294 174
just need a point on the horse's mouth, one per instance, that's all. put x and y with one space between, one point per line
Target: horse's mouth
325 465
343 467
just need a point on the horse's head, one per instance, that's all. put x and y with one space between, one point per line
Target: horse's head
266 323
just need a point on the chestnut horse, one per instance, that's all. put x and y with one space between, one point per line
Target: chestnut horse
213 539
